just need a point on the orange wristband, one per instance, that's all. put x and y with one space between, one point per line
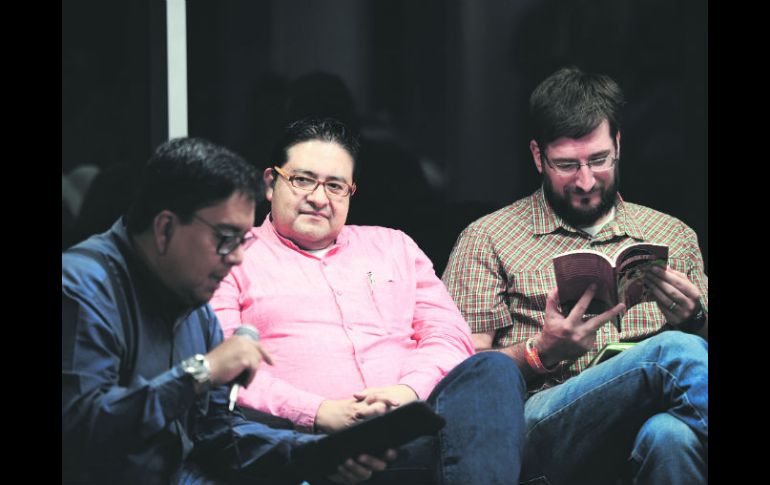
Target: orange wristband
533 358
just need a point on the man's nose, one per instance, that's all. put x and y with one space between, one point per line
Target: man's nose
318 196
585 178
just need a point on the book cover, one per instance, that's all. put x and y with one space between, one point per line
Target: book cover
373 436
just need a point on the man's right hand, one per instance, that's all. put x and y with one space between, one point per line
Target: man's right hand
360 469
236 354
567 338
334 415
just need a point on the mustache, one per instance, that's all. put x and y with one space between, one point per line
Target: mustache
322 213
578 191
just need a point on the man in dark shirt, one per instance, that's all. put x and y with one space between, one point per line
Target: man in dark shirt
144 364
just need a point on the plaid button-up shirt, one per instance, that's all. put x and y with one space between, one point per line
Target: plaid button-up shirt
500 270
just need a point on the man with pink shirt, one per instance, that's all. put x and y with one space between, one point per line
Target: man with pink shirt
358 323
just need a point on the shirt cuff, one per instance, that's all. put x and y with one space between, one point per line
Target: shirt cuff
305 412
421 384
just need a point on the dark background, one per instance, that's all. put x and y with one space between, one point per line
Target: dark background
436 83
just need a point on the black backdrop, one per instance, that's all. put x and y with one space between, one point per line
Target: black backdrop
441 84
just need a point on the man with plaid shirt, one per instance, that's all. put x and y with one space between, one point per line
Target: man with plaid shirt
643 415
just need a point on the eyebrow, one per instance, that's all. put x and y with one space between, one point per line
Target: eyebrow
315 175
603 153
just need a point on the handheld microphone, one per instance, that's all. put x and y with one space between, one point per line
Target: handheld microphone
253 334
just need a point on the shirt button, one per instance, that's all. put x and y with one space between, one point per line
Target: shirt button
338 292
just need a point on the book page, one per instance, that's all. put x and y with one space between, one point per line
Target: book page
633 263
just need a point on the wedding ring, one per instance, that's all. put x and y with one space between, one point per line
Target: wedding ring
673 305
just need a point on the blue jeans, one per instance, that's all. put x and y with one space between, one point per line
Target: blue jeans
641 417
482 400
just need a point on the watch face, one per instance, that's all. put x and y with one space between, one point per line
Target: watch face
196 366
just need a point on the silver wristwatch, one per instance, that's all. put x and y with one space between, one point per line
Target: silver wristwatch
198 367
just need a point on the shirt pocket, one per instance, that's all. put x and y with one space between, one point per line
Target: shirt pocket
391 299
527 292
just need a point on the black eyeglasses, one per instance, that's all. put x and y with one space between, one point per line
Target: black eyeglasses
596 165
332 187
227 242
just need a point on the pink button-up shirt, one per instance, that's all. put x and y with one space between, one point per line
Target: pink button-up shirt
371 312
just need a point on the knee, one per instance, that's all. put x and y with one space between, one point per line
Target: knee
665 435
679 345
494 370
668 451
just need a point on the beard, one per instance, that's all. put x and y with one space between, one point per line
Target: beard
581 216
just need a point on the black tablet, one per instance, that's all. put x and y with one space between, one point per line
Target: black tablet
373 436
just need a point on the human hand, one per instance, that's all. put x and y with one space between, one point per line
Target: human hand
230 358
677 297
567 338
360 469
334 415
390 396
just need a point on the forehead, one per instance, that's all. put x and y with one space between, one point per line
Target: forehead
597 140
323 158
235 212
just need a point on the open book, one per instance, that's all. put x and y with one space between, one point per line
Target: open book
618 281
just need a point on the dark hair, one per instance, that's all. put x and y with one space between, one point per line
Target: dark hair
313 128
571 103
188 174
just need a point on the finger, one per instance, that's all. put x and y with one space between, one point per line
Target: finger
375 397
265 356
357 470
372 463
390 454
552 310
363 394
372 410
665 302
582 304
602 318
388 400
667 295
678 281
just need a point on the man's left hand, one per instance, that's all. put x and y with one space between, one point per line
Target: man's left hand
390 396
675 295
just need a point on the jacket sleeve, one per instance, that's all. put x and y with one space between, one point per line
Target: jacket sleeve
100 418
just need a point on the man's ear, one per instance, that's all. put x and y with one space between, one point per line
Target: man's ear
535 149
617 144
163 226
268 176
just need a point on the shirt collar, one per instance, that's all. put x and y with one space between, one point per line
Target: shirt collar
545 220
